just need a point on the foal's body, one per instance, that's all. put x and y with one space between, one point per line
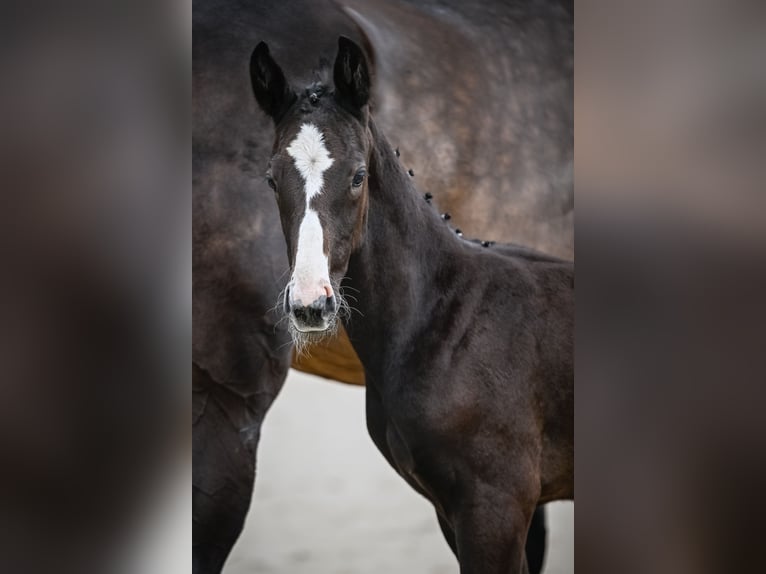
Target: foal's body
468 359
467 350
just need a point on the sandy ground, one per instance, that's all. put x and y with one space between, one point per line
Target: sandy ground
326 502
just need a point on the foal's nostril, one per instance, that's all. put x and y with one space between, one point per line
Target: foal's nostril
330 305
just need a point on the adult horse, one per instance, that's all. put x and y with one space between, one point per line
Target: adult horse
468 349
504 67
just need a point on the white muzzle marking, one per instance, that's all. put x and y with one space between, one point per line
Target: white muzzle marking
311 275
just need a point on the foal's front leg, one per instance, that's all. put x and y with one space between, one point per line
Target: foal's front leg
534 549
491 528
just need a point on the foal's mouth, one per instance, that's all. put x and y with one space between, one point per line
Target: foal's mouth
303 327
304 336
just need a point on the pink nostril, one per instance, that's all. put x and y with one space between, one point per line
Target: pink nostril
328 291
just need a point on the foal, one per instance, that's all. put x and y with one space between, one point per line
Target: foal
467 349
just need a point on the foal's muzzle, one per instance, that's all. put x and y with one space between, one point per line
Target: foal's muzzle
314 317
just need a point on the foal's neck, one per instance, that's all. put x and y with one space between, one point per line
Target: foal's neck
395 272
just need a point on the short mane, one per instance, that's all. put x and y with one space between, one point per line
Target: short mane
318 88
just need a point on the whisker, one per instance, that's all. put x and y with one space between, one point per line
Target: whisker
285 272
348 286
302 342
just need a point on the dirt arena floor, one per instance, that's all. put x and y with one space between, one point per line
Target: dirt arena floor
326 502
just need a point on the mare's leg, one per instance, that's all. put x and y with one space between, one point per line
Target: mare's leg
226 430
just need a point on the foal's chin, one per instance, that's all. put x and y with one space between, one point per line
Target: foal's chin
304 336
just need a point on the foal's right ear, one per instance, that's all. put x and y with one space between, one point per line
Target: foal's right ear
351 76
271 90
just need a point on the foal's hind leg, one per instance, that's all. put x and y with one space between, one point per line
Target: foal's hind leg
536 539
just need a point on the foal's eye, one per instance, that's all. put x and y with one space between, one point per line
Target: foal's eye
271 182
359 178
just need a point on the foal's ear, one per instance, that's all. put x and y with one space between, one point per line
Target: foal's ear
351 75
271 90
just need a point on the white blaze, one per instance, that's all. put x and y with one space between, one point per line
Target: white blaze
311 273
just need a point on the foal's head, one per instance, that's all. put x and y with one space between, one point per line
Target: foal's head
318 172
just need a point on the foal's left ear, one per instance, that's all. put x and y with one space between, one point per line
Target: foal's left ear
351 76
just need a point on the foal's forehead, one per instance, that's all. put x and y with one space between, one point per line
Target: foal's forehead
322 144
